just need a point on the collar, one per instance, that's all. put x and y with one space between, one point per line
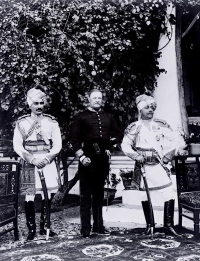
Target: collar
91 109
145 121
35 117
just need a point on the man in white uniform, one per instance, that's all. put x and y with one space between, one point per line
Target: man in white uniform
152 143
37 140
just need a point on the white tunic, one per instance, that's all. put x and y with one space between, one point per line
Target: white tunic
155 136
48 129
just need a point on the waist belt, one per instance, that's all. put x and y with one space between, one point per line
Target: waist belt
95 147
35 146
149 155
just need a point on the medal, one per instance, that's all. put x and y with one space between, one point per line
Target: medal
157 137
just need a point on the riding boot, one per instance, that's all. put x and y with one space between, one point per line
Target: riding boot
43 220
169 218
146 210
30 219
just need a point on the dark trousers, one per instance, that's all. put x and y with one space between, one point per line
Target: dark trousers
92 180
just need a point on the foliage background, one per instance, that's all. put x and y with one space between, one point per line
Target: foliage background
73 46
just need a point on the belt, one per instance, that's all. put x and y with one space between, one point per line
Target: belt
35 148
149 155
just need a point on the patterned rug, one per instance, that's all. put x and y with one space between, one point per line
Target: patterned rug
122 244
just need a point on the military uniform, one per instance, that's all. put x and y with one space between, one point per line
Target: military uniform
91 136
159 139
37 137
153 143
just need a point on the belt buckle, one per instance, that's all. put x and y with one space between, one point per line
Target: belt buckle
40 147
149 154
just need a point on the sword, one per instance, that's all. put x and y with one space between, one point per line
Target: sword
44 188
149 199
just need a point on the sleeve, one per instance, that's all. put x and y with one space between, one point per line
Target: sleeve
18 145
56 143
76 139
128 142
173 144
116 135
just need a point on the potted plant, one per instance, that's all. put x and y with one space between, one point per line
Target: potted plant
192 141
131 178
110 188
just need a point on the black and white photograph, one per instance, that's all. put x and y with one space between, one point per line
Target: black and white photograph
99 130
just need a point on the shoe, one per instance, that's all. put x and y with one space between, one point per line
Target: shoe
30 219
148 230
169 218
44 232
31 235
43 220
86 234
147 215
102 231
169 231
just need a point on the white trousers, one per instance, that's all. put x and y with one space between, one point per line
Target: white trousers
167 193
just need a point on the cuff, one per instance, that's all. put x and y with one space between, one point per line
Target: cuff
79 153
47 159
169 156
82 158
31 160
113 141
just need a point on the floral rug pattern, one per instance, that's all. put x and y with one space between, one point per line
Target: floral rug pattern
122 244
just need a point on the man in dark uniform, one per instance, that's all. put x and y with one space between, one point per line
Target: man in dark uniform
93 134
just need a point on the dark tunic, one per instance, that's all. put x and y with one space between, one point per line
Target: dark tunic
91 132
88 126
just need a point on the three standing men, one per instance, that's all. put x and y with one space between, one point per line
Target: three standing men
152 142
37 140
93 134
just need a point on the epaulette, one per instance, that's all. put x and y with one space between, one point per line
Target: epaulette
50 117
23 117
162 123
131 127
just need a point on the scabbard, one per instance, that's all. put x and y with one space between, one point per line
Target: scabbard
148 196
44 188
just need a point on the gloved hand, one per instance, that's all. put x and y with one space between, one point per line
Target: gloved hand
140 159
165 160
86 161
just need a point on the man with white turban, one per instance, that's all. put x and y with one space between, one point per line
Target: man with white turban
152 143
37 140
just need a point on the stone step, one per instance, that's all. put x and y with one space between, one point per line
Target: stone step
134 198
134 214
117 163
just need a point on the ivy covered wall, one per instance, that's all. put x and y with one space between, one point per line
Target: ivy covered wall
73 46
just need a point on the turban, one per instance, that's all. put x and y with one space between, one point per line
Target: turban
33 95
144 100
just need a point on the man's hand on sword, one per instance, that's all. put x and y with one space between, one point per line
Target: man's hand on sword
86 161
40 163
140 159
